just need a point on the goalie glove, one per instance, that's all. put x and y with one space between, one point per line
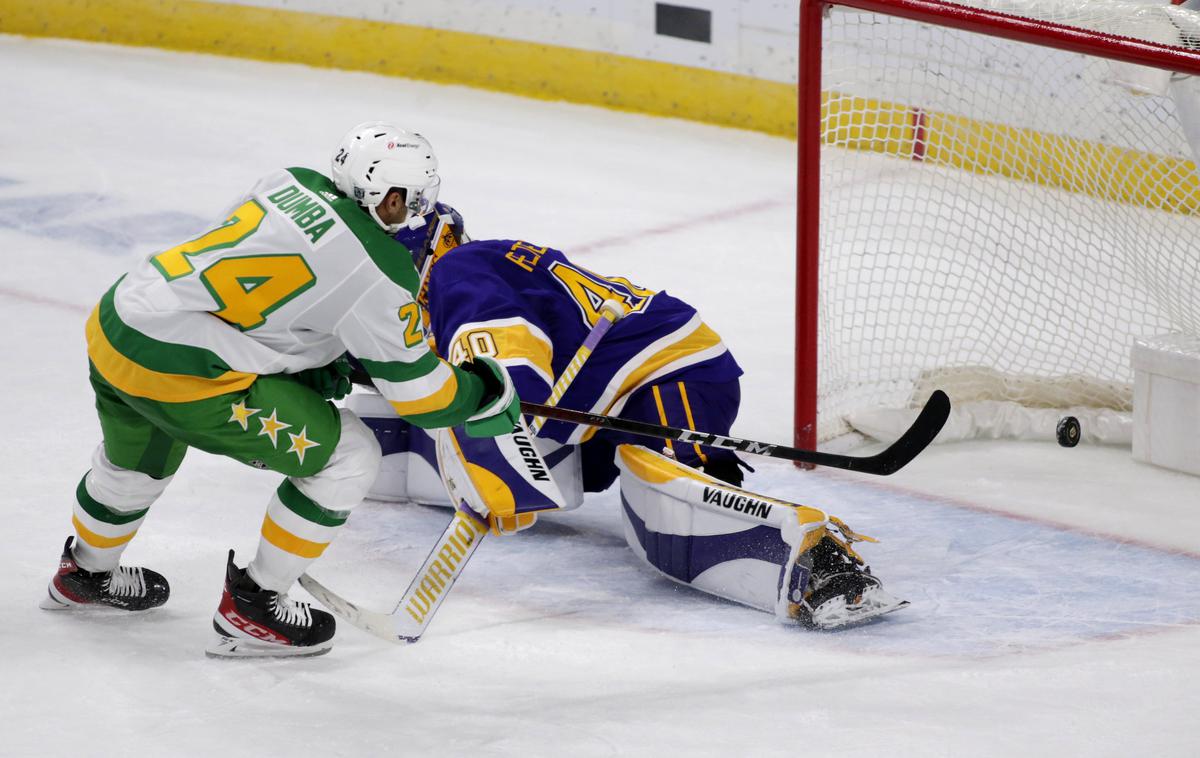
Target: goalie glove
500 407
503 480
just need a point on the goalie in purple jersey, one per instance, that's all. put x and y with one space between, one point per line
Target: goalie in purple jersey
529 308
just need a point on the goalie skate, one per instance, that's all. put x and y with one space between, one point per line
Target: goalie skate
841 590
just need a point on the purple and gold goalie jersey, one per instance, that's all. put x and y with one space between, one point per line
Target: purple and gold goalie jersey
531 308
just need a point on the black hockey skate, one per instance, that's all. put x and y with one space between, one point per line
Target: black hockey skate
127 588
252 622
841 590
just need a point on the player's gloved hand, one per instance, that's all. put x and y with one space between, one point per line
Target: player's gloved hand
331 381
358 373
727 469
500 406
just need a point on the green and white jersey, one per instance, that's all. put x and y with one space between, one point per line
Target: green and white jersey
295 275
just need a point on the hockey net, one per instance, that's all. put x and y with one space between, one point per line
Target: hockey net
994 200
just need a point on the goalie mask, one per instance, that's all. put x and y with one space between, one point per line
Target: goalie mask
437 233
376 157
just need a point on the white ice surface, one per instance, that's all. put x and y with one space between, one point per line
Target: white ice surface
1054 591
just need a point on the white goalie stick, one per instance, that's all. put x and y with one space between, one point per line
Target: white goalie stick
408 620
461 537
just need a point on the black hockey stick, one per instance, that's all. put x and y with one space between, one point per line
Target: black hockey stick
918 436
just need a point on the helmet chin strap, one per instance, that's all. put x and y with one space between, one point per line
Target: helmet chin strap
412 220
389 228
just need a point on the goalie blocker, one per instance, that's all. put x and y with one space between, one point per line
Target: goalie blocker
509 467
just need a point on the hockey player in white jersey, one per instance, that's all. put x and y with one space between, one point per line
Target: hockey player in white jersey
232 343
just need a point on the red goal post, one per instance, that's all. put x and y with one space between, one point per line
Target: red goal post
811 134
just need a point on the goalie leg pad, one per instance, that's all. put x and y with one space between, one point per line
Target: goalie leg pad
408 471
703 533
769 554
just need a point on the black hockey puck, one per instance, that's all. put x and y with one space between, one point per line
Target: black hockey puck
1068 431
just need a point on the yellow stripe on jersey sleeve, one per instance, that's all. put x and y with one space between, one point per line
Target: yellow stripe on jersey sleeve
437 400
510 341
134 379
517 342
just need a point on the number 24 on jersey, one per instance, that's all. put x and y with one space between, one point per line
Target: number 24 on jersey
245 288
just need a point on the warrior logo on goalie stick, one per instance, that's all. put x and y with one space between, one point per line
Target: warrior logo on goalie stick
442 569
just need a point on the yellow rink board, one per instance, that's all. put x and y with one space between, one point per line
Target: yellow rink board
1051 160
560 73
535 70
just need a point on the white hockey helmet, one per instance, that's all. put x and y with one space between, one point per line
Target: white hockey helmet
375 157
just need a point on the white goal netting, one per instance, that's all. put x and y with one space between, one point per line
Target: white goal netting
999 219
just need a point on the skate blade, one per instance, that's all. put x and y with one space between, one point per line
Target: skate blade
837 613
50 603
55 602
232 647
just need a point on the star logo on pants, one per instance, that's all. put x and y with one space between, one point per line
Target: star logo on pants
300 443
242 414
271 426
